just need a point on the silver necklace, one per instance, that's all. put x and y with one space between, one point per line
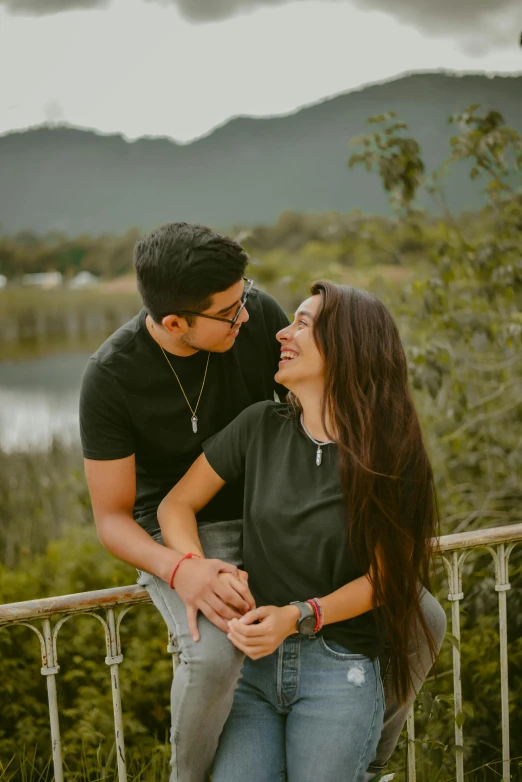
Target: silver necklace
194 419
319 452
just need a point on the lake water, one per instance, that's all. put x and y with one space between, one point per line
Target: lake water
39 400
46 338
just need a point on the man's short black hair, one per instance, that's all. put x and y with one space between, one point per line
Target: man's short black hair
181 266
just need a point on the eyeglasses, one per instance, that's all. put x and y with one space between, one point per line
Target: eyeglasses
248 287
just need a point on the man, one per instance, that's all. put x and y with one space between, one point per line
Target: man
202 349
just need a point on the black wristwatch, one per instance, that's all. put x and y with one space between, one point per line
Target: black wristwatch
306 621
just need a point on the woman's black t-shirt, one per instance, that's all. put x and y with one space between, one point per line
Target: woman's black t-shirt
294 519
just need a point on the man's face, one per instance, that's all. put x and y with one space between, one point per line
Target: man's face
214 335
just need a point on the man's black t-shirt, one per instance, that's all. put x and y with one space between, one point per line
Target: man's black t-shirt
131 403
295 543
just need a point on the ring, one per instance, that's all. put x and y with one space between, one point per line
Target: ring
258 615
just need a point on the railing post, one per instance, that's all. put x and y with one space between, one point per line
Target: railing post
113 660
412 772
502 585
49 669
454 570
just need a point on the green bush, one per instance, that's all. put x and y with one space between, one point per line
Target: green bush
76 563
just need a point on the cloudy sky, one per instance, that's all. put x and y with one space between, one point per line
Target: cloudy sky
180 67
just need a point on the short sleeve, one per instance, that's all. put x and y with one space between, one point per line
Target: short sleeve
226 451
105 427
275 320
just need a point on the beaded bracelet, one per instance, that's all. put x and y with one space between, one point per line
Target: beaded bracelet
190 555
320 612
317 608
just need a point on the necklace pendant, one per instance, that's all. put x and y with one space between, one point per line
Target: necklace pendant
318 456
194 422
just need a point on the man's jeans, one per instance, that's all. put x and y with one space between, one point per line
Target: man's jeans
309 712
209 670
420 663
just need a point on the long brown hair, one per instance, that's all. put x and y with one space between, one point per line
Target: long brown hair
384 468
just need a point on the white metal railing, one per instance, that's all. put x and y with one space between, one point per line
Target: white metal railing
115 603
454 550
109 607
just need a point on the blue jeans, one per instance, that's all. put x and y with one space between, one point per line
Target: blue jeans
208 671
309 712
212 667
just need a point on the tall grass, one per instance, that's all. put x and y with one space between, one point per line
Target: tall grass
41 494
154 767
26 766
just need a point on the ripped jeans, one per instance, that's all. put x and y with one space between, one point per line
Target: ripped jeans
212 666
310 711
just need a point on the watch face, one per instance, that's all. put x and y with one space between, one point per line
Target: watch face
307 625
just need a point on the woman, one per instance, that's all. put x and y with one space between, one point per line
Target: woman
339 514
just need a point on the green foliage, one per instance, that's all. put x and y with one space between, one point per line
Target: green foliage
493 147
74 563
34 321
41 495
105 256
463 329
397 159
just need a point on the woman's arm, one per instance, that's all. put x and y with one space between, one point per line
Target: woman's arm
350 600
276 624
211 586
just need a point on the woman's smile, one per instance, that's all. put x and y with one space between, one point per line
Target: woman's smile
288 355
301 334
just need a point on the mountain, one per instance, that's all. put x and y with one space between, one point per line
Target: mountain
245 172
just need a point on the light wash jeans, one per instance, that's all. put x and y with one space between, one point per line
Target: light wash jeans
309 712
203 688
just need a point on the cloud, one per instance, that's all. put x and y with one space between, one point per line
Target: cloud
46 7
214 10
481 25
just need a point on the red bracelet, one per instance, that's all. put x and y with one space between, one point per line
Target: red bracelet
314 608
190 555
315 603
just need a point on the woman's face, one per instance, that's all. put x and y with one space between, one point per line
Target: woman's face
301 362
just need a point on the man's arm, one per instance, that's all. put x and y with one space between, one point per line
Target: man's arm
199 583
112 486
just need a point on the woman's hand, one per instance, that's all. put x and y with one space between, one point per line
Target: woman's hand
272 626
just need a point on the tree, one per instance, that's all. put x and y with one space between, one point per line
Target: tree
396 158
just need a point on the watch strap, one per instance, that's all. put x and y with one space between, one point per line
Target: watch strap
305 612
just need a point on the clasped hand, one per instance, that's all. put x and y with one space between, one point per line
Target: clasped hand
214 587
260 631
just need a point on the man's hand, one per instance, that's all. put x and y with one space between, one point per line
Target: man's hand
273 626
232 581
219 590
